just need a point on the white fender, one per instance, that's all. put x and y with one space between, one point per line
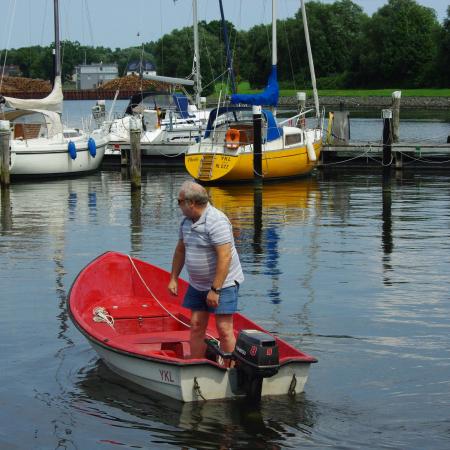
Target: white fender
311 151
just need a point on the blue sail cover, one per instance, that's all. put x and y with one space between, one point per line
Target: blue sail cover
269 97
182 104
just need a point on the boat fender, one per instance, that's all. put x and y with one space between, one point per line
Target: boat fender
232 139
311 152
72 150
92 147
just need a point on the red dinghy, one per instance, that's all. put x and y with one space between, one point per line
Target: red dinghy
122 306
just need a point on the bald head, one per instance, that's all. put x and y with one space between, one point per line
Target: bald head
194 192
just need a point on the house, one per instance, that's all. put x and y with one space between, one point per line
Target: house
141 68
91 76
12 70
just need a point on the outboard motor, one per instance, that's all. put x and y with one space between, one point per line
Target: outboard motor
256 355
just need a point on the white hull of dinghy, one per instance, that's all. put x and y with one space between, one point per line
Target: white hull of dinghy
196 382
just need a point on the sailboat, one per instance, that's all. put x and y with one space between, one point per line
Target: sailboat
170 120
226 151
169 123
40 144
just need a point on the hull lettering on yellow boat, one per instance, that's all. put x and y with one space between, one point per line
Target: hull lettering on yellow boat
275 164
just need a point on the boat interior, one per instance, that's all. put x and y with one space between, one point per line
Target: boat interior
115 309
140 325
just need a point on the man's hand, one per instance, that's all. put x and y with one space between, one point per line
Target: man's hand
212 299
173 286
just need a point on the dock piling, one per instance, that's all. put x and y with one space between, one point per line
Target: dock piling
135 153
396 96
387 137
301 100
257 144
5 153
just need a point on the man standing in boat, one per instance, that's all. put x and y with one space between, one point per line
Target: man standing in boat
206 246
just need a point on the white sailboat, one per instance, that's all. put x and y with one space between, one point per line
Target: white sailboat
40 144
170 121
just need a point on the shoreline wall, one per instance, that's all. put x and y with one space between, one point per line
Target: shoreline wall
335 102
373 102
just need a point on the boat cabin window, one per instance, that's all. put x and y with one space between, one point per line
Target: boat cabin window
29 126
71 133
292 139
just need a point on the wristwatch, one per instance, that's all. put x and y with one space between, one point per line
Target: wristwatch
216 290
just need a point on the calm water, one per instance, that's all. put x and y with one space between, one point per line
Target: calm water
352 273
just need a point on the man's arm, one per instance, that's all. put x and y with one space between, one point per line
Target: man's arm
177 266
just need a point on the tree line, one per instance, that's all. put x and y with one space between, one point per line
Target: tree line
402 45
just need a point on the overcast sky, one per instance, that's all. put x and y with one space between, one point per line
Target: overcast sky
125 23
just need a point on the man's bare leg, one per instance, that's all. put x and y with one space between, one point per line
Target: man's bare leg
224 324
199 322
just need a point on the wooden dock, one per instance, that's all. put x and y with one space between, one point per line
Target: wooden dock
423 155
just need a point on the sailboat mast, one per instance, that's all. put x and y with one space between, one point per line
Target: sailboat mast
197 76
274 32
57 42
310 59
227 47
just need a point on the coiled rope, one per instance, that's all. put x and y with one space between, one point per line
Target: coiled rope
101 315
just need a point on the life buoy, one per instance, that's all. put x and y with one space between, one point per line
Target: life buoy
72 150
302 122
232 139
92 147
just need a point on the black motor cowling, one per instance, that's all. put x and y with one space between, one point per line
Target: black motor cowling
256 355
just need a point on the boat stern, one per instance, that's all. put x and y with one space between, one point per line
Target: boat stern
209 166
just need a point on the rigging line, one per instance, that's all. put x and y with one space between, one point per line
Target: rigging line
207 52
8 40
420 159
235 43
289 52
162 36
88 17
157 300
366 153
219 77
267 28
43 22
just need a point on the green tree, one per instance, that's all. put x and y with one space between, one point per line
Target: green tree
174 54
335 33
255 60
399 46
442 66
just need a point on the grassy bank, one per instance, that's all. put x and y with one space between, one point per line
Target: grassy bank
244 88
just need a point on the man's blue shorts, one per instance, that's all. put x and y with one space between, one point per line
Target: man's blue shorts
228 299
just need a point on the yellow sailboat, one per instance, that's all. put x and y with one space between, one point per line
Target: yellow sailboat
226 151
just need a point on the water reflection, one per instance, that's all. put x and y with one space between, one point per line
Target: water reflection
6 217
386 236
259 213
257 219
213 424
136 220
